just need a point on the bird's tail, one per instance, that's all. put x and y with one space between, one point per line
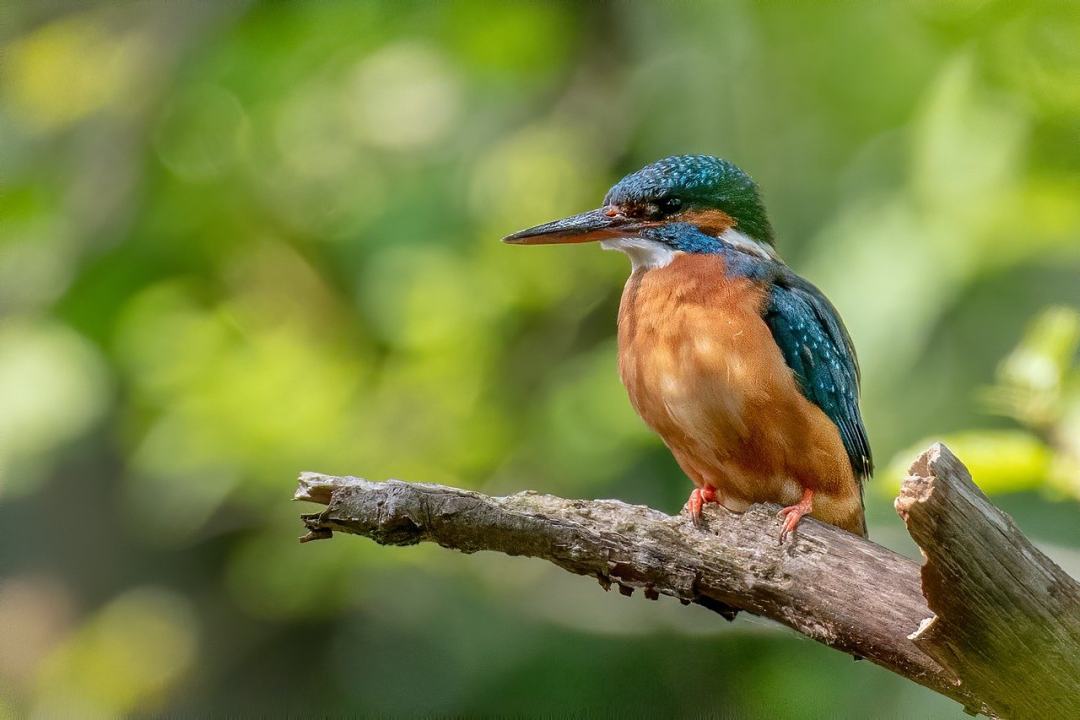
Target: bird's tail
859 524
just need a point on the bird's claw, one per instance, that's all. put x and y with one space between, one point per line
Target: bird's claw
792 514
696 502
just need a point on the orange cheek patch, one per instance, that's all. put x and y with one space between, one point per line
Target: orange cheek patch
711 222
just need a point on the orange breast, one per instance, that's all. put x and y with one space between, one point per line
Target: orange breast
702 369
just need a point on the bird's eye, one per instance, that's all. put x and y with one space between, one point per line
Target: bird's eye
669 205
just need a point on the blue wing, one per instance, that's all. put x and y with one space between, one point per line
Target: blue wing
817 348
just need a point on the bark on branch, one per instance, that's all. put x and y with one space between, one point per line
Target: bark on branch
1005 640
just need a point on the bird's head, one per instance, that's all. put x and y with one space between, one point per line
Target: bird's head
686 203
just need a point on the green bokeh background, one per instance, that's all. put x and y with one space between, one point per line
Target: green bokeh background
240 240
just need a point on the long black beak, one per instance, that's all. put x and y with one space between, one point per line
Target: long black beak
602 224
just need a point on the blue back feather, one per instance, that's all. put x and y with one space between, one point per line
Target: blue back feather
816 346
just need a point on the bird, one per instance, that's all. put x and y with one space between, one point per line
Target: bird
742 367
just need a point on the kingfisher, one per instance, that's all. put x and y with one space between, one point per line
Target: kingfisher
742 367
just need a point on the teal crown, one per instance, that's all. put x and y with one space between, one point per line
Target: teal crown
696 182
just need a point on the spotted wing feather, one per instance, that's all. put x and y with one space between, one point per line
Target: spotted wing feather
817 348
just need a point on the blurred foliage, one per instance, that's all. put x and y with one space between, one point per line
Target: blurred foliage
240 240
1037 385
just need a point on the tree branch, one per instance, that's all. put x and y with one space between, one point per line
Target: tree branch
827 584
1006 618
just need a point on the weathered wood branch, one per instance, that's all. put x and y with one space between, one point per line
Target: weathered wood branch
1005 641
1006 618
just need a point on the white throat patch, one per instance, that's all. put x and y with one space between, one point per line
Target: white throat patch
644 254
748 245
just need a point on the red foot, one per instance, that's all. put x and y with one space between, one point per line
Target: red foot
793 513
697 500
